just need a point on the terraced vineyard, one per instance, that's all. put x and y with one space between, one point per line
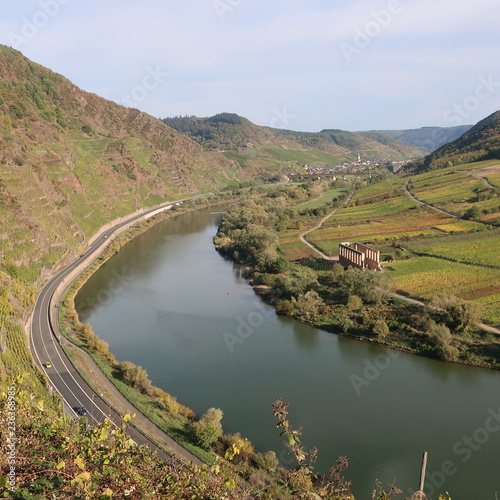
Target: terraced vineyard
427 252
460 188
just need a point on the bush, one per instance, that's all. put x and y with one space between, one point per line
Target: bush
380 328
280 265
285 308
345 323
354 303
135 376
448 352
457 314
208 429
266 461
237 449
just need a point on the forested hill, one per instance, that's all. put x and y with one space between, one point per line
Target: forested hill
273 149
428 139
481 142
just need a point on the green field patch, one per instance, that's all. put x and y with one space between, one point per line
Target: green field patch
324 199
459 226
450 192
491 307
386 207
476 165
427 276
301 155
475 248
494 179
438 179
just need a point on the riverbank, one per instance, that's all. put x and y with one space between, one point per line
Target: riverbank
98 366
355 303
153 402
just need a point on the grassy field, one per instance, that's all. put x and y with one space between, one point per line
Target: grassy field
479 248
302 155
325 198
425 277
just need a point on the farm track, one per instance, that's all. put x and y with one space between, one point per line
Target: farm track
321 222
414 198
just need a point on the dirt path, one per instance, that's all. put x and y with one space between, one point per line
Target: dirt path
427 204
321 222
484 179
488 328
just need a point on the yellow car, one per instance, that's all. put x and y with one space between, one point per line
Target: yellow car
48 364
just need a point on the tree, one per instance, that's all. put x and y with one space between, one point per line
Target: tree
208 429
354 303
472 213
135 376
380 328
308 304
457 314
369 286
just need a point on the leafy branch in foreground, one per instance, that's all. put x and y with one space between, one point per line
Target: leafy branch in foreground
304 482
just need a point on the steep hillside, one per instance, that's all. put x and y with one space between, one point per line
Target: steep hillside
266 150
481 142
69 162
428 139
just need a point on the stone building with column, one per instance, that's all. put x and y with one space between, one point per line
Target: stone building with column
358 255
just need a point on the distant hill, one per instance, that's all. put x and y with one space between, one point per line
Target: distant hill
481 142
260 148
428 139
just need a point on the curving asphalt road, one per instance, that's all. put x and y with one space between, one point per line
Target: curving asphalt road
45 345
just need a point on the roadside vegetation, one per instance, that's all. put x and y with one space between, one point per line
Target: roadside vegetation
53 457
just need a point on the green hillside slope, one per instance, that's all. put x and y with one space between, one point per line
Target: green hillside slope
267 150
71 161
481 142
428 139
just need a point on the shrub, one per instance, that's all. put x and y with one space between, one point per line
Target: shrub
135 376
448 352
457 314
285 308
345 323
380 328
354 303
208 429
266 461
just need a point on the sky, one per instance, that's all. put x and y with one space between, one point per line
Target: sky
303 65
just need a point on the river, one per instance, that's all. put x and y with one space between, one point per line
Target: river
171 304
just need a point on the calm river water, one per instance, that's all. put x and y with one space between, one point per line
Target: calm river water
169 303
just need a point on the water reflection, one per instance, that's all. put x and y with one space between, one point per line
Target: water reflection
171 315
